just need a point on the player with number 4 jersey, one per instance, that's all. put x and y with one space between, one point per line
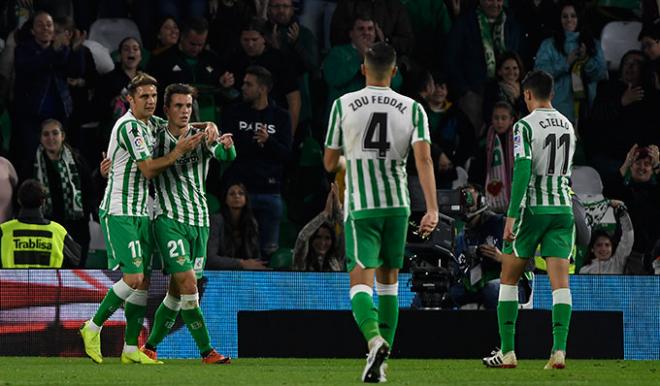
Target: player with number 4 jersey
540 214
376 129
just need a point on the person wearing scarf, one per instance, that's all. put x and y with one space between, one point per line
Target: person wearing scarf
576 62
67 181
494 167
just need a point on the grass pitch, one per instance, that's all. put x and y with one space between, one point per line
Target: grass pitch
79 371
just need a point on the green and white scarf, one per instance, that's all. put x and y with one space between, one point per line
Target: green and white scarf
69 179
492 39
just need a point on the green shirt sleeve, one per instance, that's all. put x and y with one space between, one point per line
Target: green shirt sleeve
522 173
222 154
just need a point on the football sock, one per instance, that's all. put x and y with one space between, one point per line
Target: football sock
507 314
134 310
364 312
192 316
561 317
117 294
388 310
163 320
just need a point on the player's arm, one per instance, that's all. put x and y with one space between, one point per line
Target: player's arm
151 167
522 173
421 140
224 150
334 140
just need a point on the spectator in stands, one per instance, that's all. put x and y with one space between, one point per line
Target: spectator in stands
390 19
254 51
538 19
234 233
650 11
604 256
190 62
31 241
430 22
183 9
227 19
452 135
318 247
506 86
168 35
649 37
493 166
297 43
67 181
342 66
575 60
638 188
262 136
41 91
655 254
8 183
476 39
627 103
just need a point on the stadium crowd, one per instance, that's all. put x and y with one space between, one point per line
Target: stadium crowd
64 67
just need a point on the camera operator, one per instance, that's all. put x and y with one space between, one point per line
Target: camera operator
478 253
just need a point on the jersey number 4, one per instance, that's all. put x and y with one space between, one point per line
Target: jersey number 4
372 141
565 143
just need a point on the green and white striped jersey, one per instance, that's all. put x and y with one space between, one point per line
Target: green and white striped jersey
181 188
547 138
375 127
127 190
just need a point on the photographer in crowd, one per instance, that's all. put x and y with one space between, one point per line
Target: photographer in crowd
478 253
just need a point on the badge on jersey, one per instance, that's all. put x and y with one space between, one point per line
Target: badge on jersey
518 145
139 145
198 264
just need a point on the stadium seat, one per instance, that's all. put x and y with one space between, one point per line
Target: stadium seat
101 54
617 38
109 32
586 181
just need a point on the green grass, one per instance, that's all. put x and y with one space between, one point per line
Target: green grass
77 371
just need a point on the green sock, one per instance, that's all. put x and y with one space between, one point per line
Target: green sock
388 317
163 321
365 314
507 314
561 318
195 322
108 307
134 311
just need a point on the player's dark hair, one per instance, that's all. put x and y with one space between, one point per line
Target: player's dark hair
381 57
540 83
31 194
198 24
141 79
264 77
178 88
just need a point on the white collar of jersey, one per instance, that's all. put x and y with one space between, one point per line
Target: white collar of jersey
378 87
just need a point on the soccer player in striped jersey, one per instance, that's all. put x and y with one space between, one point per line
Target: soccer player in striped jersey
181 227
375 129
125 217
540 212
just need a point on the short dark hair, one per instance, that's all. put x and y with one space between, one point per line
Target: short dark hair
264 77
178 88
540 83
127 38
651 30
141 79
31 194
255 24
504 105
380 57
197 24
49 121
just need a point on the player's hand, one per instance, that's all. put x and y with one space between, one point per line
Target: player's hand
104 167
508 229
212 132
188 143
428 224
227 140
632 95
261 136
